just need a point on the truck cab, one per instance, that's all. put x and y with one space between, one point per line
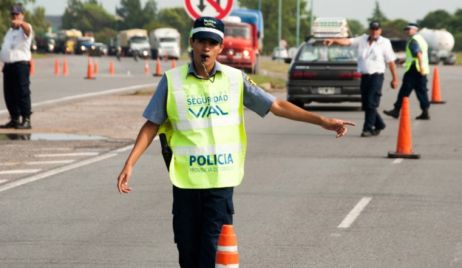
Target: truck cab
165 42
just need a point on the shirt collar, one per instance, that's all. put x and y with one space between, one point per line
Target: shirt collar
192 70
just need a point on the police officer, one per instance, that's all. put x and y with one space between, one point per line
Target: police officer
415 77
200 107
16 57
374 53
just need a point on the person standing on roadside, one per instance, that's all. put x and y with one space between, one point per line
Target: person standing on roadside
16 56
200 108
415 77
374 53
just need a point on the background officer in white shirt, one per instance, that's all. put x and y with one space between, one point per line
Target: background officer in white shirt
374 53
16 56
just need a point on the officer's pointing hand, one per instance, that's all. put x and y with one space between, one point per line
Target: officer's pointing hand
338 126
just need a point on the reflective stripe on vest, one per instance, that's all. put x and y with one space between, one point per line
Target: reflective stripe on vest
207 138
410 60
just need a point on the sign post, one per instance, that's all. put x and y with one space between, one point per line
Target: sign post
210 8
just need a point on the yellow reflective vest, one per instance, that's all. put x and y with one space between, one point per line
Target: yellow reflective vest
205 128
410 60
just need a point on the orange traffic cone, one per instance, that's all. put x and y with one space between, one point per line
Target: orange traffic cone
404 146
111 68
65 67
56 67
95 67
90 74
32 67
436 96
173 63
146 67
227 254
158 68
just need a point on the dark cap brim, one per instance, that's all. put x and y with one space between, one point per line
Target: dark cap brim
207 35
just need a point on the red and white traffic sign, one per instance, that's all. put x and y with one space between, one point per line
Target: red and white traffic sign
210 8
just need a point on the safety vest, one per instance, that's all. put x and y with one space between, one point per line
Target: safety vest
410 60
205 129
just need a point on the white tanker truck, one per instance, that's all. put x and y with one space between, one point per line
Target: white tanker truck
440 45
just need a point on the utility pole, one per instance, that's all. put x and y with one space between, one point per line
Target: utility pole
259 5
279 21
297 35
311 15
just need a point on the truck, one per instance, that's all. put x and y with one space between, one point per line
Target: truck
165 42
66 40
243 39
440 45
134 42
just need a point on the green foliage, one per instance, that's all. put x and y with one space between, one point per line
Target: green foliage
458 40
436 20
394 28
289 19
89 16
377 14
356 27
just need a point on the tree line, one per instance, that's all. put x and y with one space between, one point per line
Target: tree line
90 16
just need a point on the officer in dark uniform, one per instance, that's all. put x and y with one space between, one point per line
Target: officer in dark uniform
16 56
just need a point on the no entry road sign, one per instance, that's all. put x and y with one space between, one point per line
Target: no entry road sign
210 8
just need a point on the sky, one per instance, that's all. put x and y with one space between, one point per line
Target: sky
410 10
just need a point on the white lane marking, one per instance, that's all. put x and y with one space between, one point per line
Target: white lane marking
56 171
19 171
9 164
397 161
2 181
129 147
31 163
354 213
88 95
68 155
55 149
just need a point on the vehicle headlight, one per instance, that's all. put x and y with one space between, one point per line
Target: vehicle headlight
230 52
93 47
145 53
82 48
246 53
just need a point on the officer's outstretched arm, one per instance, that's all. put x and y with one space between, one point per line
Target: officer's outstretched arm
147 133
286 109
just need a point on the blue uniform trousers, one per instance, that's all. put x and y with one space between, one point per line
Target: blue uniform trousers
16 88
413 80
371 91
198 215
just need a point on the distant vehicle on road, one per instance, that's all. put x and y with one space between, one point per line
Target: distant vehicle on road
84 45
134 42
324 73
165 42
65 42
279 53
99 49
243 39
440 45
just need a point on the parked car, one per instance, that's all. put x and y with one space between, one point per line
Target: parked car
323 74
83 45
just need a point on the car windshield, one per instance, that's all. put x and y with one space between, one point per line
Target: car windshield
138 39
237 31
319 53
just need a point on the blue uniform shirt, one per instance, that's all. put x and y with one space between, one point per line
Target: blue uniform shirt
255 98
414 47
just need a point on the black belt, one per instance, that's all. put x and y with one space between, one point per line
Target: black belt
374 74
16 62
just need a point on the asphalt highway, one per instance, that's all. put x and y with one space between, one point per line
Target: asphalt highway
307 200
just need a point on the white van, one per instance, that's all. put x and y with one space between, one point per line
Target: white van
165 42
